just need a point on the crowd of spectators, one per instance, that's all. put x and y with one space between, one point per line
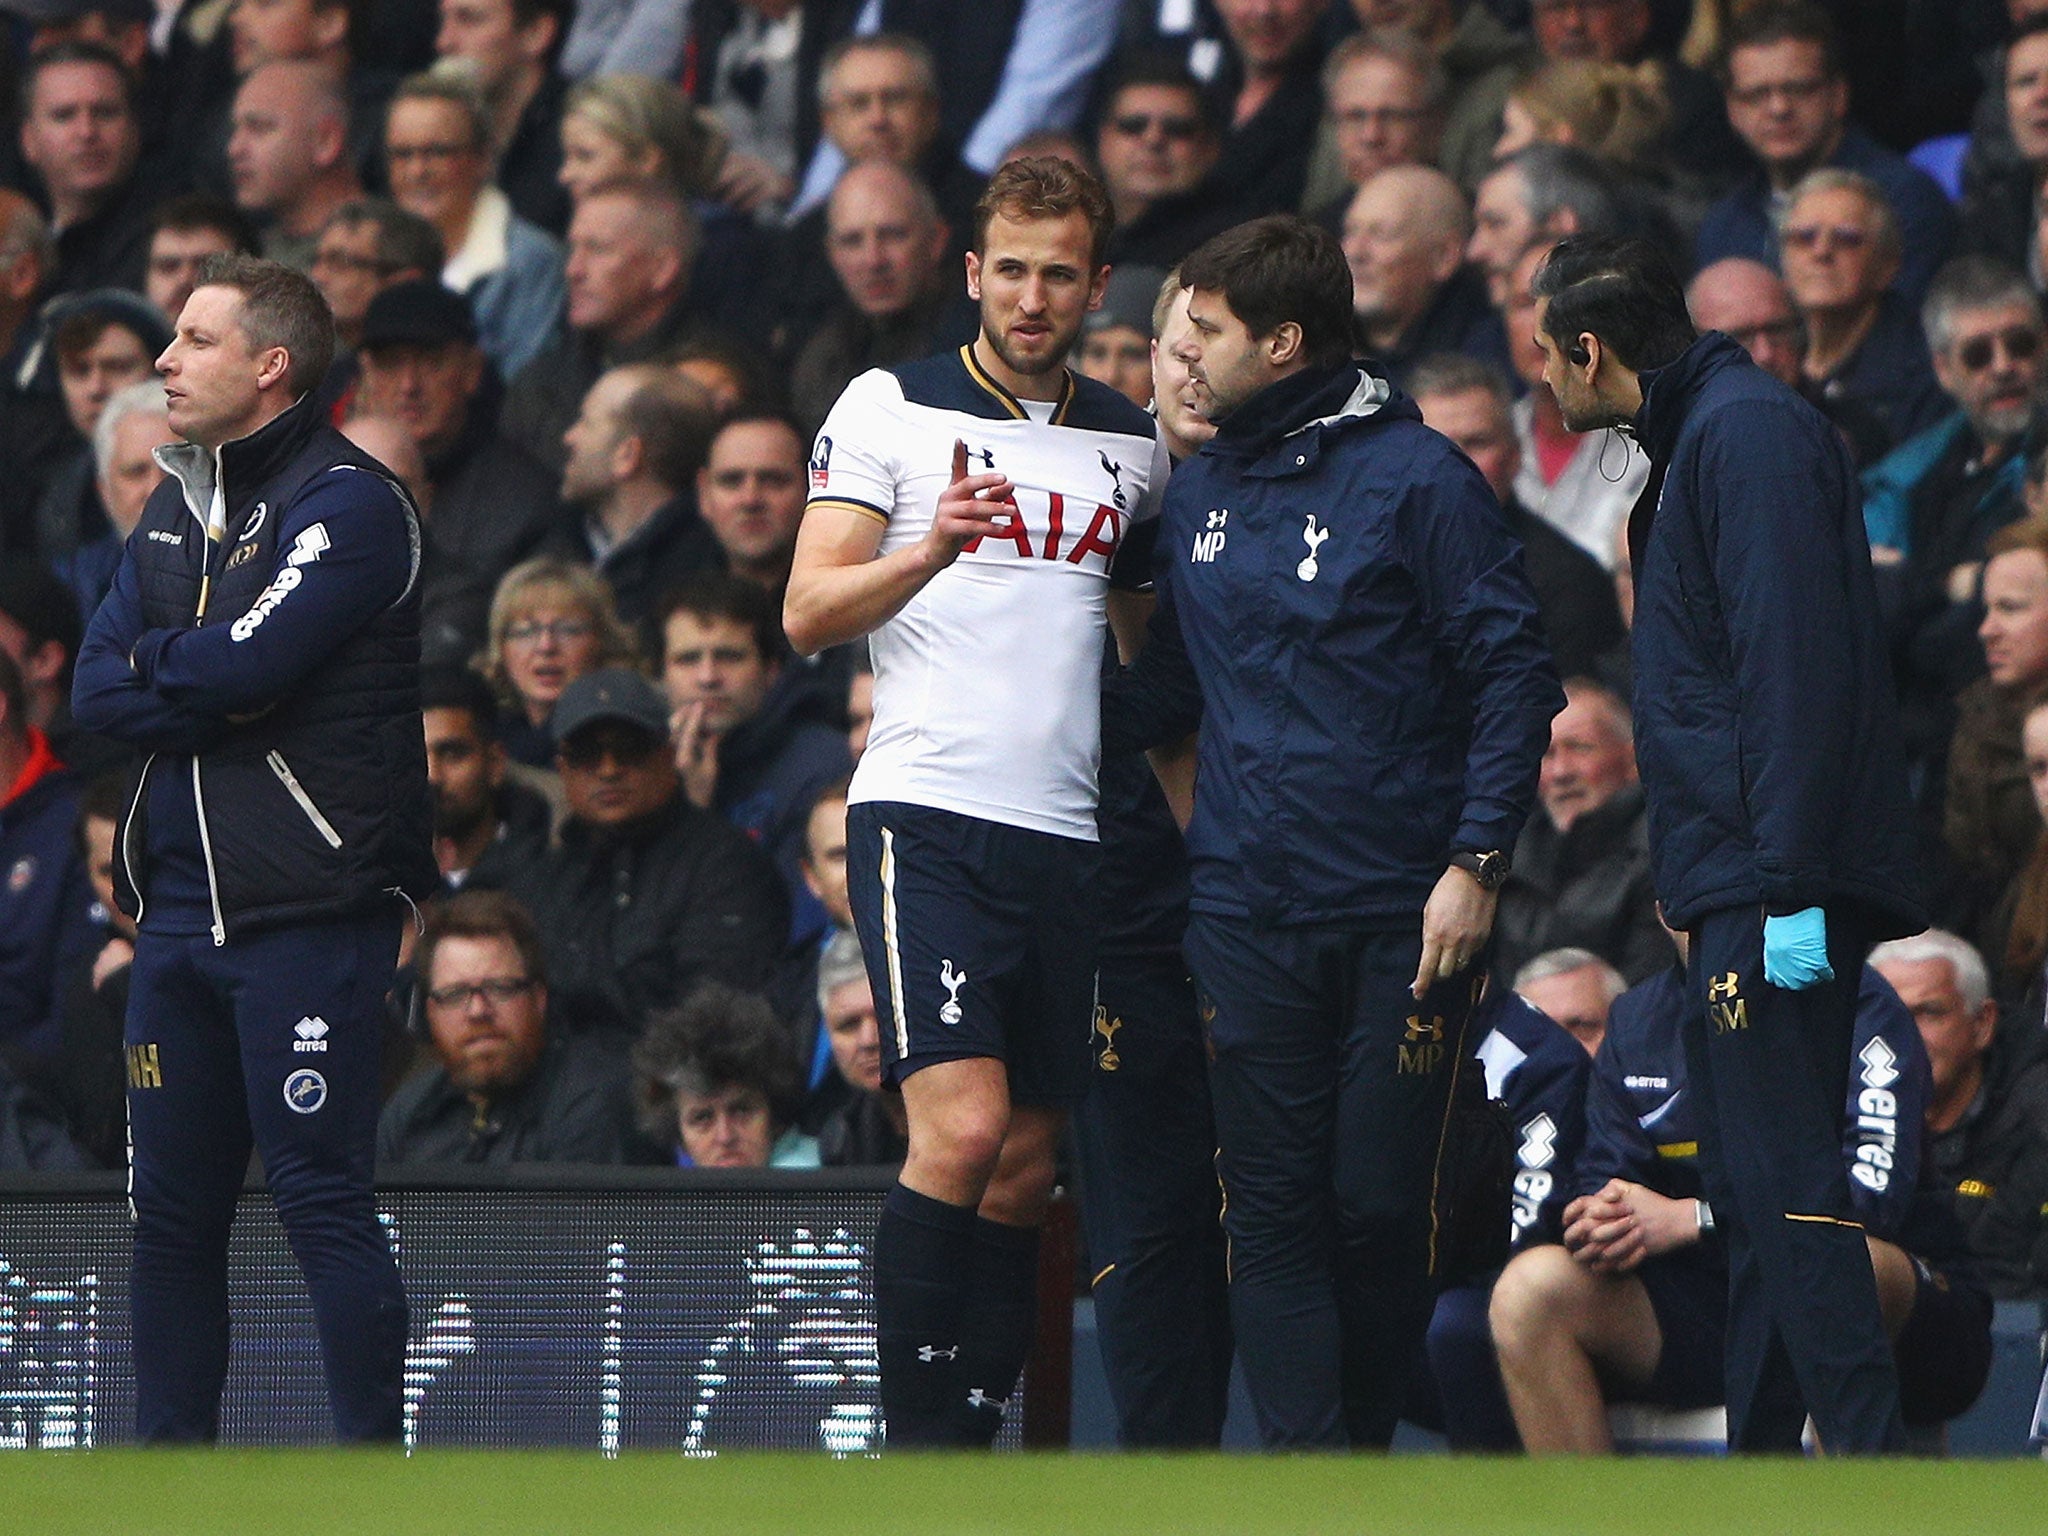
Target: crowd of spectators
600 269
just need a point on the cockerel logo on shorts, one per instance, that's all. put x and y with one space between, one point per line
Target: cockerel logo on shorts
952 981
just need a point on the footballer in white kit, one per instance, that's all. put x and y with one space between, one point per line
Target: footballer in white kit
965 512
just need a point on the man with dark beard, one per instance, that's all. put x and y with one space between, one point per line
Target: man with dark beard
486 826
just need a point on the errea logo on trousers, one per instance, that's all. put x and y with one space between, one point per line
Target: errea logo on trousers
312 1033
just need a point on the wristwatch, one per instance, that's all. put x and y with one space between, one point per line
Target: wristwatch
1490 868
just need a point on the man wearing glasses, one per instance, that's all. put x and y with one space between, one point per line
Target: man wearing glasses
1932 504
646 895
1840 250
1156 143
504 1088
1788 100
370 245
1748 303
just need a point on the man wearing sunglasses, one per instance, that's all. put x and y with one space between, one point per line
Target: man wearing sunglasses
1781 835
1156 142
1839 249
504 1087
646 895
1933 503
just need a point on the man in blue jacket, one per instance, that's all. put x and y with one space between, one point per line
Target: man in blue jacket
260 644
1342 609
1780 834
1628 1300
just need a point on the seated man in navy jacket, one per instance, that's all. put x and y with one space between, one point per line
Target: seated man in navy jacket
1633 1305
504 1087
1539 1072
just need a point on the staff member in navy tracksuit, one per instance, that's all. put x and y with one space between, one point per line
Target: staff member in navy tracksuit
261 645
1780 833
1634 1305
1344 611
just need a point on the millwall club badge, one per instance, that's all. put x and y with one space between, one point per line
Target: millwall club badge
1315 538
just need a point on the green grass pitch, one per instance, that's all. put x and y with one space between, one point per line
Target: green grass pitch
450 1493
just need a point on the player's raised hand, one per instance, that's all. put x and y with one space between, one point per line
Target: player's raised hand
970 507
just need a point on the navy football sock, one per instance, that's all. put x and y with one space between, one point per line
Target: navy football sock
924 1251
1002 1318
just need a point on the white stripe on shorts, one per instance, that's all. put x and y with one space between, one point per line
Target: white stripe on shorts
889 946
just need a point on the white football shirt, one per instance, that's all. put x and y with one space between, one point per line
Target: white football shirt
988 683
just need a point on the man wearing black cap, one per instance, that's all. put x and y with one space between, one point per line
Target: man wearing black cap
647 895
492 502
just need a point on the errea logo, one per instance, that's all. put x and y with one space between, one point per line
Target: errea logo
312 1033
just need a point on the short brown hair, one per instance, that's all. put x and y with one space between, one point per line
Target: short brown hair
1277 269
479 915
280 308
1794 21
673 418
709 595
1046 187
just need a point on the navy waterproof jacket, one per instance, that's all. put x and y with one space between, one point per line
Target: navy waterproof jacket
1766 732
1343 609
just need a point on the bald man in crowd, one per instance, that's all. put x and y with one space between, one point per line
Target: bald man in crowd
900 296
1404 239
288 156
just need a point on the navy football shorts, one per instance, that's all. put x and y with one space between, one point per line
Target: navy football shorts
980 942
1690 1299
1944 1351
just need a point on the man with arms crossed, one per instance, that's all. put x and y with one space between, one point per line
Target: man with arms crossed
261 644
1781 837
966 510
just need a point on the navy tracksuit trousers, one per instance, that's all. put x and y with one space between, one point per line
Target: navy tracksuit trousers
1770 1070
1332 1090
271 1040
1151 1208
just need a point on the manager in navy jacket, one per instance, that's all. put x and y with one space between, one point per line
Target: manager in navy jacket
260 644
1780 834
1342 607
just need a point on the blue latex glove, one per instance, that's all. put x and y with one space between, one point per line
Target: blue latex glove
1796 950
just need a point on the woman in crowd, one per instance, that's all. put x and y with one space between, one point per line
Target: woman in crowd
716 1083
636 128
1617 112
551 622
